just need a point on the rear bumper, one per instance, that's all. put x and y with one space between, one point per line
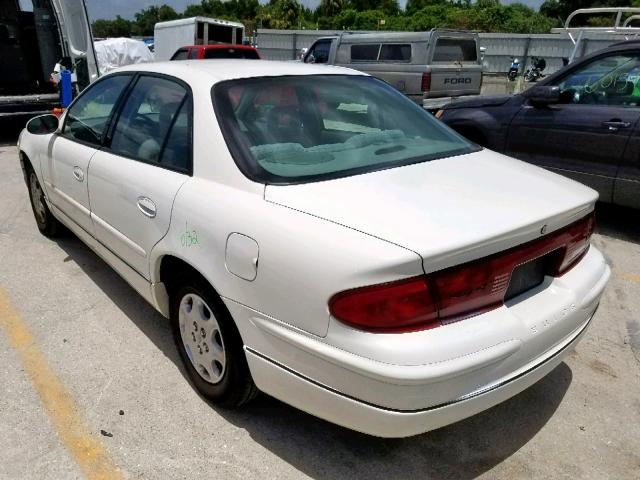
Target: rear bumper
331 405
405 384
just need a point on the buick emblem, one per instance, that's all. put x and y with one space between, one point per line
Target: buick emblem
543 230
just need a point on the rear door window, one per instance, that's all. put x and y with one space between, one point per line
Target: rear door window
193 53
176 153
455 50
150 111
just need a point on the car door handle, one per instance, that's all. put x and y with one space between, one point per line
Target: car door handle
78 174
147 207
615 125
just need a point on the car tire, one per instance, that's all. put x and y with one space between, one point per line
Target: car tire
210 345
48 225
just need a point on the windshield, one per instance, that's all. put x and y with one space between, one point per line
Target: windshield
314 127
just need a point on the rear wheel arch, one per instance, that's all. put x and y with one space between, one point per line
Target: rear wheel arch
182 281
172 271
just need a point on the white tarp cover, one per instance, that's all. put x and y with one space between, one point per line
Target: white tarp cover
118 52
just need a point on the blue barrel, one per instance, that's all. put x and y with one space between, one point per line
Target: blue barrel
66 90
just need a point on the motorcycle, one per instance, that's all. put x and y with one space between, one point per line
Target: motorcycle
534 73
513 69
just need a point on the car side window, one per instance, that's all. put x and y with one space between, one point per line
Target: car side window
147 117
193 53
365 52
392 52
176 153
319 52
612 80
180 54
88 116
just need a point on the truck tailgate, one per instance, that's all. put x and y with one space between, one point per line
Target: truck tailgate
454 80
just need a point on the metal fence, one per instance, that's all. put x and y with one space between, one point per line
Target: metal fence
500 47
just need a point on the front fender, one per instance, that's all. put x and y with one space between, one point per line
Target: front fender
490 127
33 150
492 121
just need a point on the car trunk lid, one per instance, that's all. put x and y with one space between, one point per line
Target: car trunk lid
450 210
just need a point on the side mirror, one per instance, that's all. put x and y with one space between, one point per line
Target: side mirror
540 95
310 59
43 125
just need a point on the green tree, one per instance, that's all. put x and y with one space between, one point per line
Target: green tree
148 17
522 19
414 5
281 14
119 27
389 7
330 8
194 11
420 15
560 9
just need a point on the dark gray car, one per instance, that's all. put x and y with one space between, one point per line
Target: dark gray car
581 122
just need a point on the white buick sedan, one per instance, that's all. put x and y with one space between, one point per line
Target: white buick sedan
313 234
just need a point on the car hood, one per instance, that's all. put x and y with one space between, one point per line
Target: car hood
448 211
480 101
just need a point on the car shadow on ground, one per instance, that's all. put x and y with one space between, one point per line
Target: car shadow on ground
618 222
322 450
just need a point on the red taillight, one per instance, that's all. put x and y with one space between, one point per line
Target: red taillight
458 292
401 306
578 239
426 81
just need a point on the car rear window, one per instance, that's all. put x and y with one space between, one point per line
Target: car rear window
455 50
231 53
297 129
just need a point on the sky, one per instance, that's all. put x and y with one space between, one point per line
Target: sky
127 8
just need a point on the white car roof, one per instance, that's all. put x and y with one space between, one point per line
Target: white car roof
231 69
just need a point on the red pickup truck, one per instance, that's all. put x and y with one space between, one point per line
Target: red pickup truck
200 52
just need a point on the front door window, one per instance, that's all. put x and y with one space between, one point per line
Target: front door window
612 81
88 116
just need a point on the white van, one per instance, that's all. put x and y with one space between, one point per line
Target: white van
171 35
35 35
429 67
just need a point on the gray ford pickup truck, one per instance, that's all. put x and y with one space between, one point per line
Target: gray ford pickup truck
431 67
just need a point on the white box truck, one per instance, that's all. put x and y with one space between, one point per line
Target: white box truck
170 36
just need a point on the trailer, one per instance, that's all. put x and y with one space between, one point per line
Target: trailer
170 36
